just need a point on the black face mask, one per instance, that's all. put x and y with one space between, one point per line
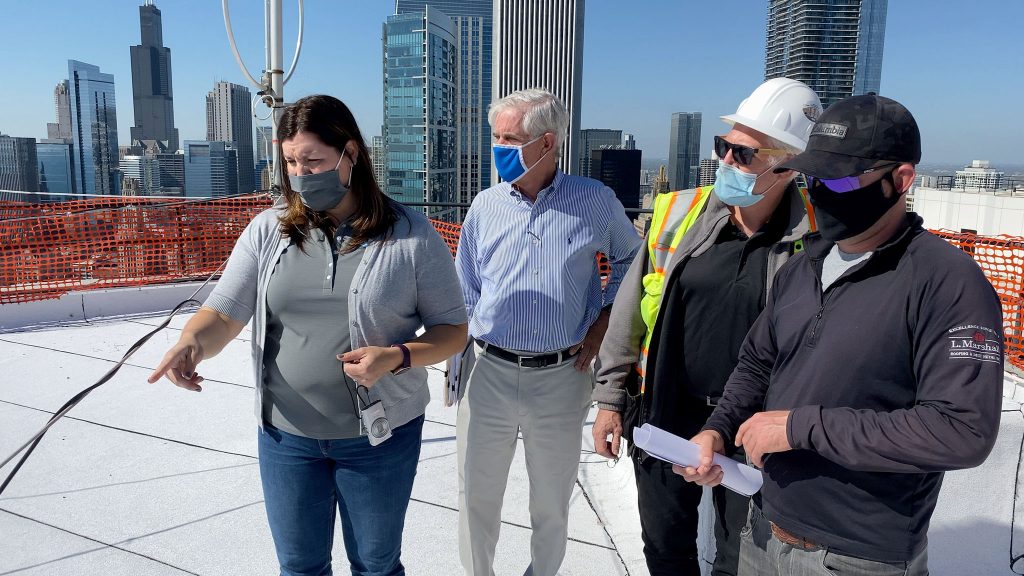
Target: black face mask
847 214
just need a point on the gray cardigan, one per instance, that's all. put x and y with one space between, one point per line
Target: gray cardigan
401 284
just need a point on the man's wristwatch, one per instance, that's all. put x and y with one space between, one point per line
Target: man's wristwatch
406 359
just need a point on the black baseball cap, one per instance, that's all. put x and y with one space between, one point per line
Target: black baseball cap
858 133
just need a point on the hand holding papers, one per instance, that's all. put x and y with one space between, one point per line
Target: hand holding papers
671 448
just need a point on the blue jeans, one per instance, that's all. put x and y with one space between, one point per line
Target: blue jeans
304 480
761 554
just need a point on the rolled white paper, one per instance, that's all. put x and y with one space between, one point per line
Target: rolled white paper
666 446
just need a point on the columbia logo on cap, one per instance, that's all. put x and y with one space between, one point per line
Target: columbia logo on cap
833 130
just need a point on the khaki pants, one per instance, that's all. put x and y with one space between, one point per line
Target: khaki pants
548 405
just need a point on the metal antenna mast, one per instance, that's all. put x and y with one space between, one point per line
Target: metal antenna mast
271 84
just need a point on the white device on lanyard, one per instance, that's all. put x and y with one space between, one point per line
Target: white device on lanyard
374 422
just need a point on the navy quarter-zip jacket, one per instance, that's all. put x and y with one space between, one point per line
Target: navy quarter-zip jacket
893 375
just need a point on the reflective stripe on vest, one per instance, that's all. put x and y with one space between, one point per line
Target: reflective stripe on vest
669 225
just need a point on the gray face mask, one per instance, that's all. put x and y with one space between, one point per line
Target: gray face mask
321 191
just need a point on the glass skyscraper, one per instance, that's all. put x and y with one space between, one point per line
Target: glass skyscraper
684 151
19 168
141 173
93 129
172 173
211 169
595 139
473 32
835 47
55 173
264 146
420 108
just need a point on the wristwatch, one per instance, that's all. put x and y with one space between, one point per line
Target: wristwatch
406 359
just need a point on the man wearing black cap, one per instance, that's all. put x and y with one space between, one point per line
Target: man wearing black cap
875 366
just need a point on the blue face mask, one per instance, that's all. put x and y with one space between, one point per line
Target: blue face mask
735 187
508 159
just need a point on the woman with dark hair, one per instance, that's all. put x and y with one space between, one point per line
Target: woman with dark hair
337 279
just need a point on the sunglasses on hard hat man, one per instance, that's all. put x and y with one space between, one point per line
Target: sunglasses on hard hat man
743 155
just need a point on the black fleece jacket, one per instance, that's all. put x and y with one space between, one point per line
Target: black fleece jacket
892 375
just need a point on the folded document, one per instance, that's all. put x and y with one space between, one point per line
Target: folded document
665 446
457 370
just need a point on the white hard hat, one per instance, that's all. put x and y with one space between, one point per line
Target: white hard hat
782 108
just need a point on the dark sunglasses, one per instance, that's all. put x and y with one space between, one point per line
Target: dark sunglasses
743 155
846 183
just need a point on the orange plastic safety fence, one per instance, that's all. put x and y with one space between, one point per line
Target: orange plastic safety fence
1001 258
47 250
450 234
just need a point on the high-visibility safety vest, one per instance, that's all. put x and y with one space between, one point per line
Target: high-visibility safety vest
669 224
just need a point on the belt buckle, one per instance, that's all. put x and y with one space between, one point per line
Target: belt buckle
526 362
533 361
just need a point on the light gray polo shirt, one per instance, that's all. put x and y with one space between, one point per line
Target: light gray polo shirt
404 282
306 391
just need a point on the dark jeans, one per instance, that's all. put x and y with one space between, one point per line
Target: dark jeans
668 518
306 480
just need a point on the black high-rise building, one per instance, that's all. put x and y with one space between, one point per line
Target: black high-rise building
619 170
151 82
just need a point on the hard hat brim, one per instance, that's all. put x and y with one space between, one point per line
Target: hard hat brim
784 137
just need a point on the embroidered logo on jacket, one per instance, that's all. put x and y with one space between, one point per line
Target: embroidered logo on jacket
973 342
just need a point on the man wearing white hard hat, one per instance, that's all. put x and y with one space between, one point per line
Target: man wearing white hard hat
685 305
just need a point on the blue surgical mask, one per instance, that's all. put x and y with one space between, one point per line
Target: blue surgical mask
508 159
735 187
323 190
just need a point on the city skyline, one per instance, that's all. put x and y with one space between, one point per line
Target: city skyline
637 69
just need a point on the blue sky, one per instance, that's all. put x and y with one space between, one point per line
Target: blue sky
958 67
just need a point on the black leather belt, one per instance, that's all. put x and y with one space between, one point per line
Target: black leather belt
532 361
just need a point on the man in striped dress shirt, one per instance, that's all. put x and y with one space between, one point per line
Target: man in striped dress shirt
527 260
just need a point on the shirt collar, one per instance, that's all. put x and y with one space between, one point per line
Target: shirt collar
555 185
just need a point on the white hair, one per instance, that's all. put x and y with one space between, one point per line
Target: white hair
542 112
